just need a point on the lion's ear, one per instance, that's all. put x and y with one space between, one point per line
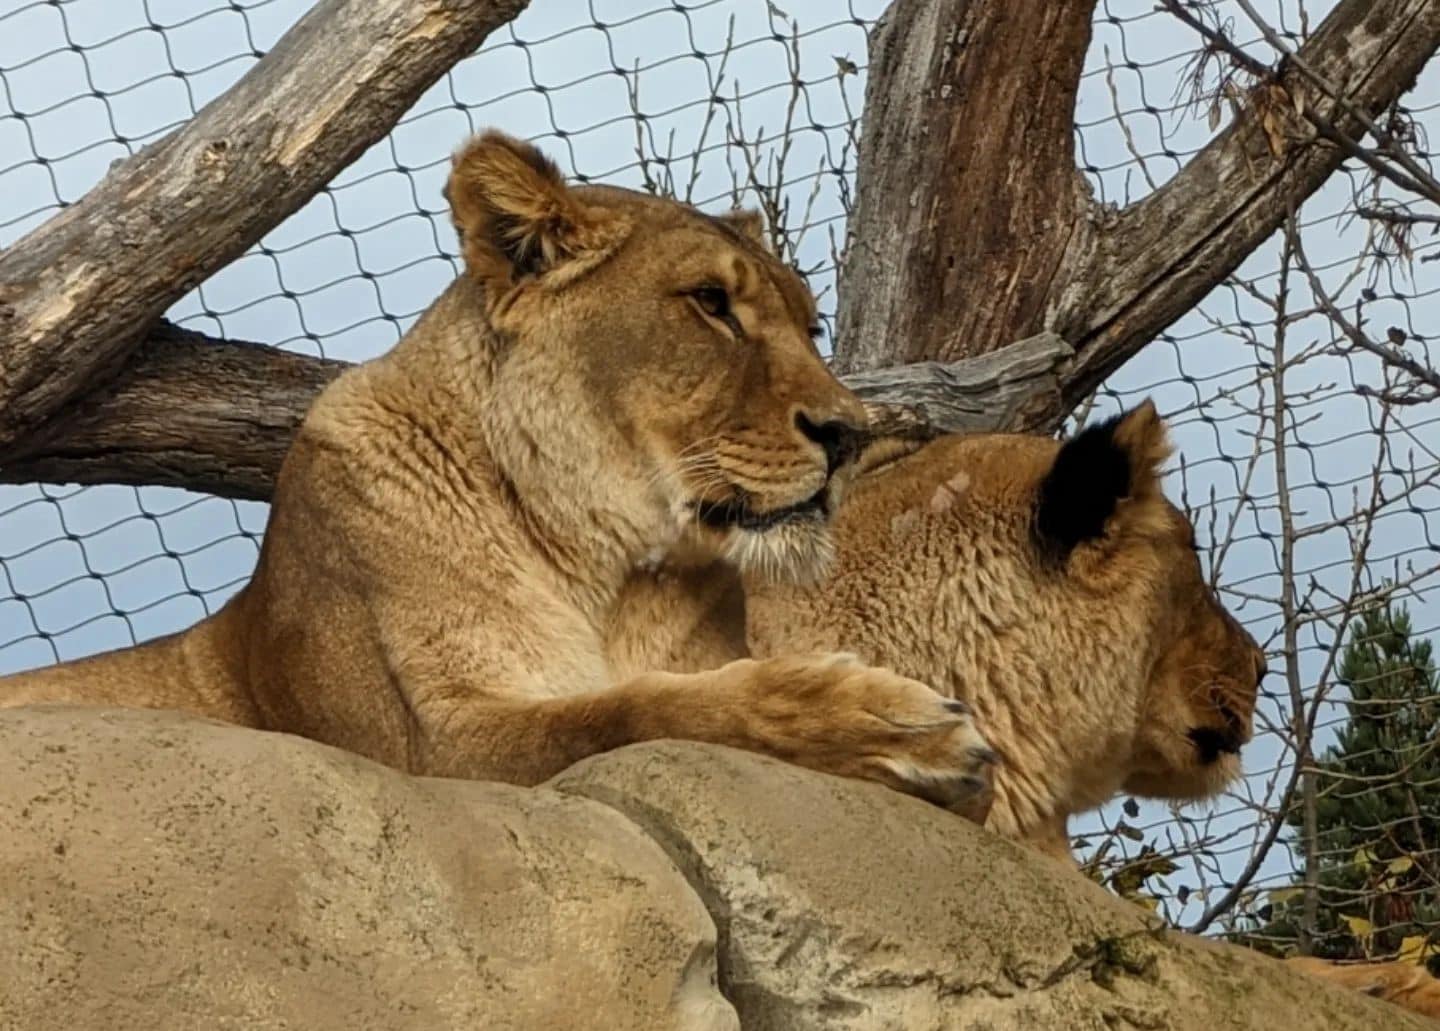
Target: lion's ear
748 223
1104 473
516 217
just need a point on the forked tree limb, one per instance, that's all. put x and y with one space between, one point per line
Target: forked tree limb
985 234
1161 256
78 293
947 264
214 415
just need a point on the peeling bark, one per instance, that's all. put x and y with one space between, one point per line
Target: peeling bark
217 416
79 292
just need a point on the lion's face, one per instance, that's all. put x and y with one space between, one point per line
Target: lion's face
1103 519
1055 588
694 345
1201 696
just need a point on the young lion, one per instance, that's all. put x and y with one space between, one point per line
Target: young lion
1050 586
454 520
1055 589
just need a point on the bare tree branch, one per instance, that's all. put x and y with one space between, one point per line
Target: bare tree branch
1162 255
1414 178
1392 356
1422 182
1012 389
187 410
78 293
217 416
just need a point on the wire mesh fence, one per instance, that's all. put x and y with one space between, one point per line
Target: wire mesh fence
1310 462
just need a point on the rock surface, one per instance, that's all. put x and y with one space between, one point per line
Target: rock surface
163 872
843 905
159 871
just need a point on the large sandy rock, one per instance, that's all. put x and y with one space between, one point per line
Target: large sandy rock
161 872
846 906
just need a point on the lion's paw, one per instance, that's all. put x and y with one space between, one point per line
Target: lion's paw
834 713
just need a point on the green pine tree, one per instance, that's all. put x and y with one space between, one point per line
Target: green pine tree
1378 807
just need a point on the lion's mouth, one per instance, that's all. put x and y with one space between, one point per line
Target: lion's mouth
736 512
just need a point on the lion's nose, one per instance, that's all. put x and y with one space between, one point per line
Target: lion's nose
837 438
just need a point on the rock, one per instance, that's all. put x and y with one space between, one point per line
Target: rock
842 905
160 871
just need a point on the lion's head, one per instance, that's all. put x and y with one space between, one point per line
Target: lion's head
670 345
1055 588
1204 668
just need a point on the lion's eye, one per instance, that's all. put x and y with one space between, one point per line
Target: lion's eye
713 301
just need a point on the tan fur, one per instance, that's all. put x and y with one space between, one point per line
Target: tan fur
455 520
1404 984
1087 678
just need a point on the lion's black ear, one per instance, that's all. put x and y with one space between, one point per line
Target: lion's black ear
1101 473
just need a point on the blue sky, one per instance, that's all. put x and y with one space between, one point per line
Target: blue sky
86 82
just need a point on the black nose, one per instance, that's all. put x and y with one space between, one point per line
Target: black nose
1212 743
840 440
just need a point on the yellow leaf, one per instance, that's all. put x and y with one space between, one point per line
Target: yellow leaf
1271 124
1364 857
1402 865
1359 926
1149 902
1415 949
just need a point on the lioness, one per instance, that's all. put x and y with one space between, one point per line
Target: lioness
1055 589
454 521
1050 586
1405 984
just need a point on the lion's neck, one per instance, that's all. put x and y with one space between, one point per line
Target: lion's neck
561 481
1054 691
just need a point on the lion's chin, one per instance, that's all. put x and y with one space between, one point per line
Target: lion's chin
1192 784
799 552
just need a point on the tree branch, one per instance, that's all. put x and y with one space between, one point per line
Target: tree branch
1422 181
1161 256
78 293
186 411
1009 390
216 416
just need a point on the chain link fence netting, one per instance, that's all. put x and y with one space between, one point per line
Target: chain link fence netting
1309 460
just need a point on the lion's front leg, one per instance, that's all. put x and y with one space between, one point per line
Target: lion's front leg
828 712
833 713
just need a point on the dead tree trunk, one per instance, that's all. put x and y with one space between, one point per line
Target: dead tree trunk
974 228
968 191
